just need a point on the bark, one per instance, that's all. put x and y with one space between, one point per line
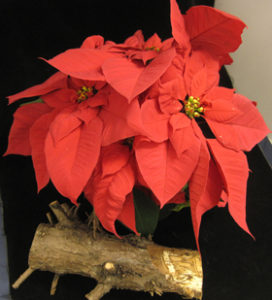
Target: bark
133 263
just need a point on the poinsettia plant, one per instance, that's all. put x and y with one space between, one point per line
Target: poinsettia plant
143 124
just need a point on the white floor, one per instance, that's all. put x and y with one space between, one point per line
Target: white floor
4 281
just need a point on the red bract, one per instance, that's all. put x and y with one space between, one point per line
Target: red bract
233 119
66 158
234 170
237 125
144 114
132 78
124 66
24 118
136 48
57 81
61 134
116 117
243 130
165 172
219 171
172 123
198 185
206 28
81 63
109 189
37 135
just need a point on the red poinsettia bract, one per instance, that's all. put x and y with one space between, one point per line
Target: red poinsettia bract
119 116
63 134
206 28
174 117
110 188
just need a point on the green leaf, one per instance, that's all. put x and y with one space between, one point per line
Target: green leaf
180 206
146 212
168 209
185 187
39 100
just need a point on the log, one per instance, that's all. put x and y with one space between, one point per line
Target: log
134 263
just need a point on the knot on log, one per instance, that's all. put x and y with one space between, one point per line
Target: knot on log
109 267
118 271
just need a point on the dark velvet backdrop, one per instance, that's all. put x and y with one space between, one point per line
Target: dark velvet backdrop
235 266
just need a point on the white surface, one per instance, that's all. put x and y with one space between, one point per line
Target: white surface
4 281
251 71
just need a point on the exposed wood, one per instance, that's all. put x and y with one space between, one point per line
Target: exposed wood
133 263
23 277
99 291
50 218
54 284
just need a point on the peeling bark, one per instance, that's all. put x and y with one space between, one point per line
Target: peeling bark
133 263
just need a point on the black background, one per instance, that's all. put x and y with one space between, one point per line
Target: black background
235 266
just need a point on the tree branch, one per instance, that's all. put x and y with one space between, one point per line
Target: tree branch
98 292
133 263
